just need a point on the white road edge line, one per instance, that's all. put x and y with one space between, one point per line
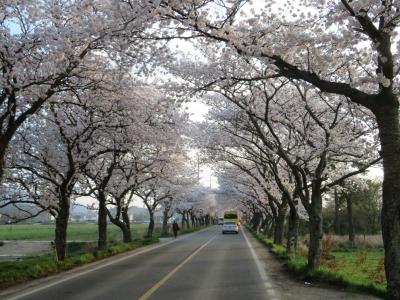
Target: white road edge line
72 276
260 267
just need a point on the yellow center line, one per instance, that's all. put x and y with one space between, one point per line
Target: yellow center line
176 269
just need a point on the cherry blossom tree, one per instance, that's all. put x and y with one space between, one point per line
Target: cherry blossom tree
145 122
48 157
197 206
157 189
250 164
237 184
80 125
174 185
44 43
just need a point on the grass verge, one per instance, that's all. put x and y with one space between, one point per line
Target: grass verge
355 269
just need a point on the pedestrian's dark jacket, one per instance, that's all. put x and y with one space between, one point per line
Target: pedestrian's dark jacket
175 226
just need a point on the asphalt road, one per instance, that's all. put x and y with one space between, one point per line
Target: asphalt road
203 265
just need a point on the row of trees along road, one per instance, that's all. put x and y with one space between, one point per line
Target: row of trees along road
293 150
76 120
340 48
108 143
331 51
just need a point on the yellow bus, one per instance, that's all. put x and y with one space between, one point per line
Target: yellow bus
231 216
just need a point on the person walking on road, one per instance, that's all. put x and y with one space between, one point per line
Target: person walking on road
175 228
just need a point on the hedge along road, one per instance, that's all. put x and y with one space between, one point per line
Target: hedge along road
203 265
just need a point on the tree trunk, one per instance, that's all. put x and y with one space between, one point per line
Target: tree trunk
350 219
165 222
187 221
274 212
126 233
252 221
271 230
192 220
3 151
264 222
124 226
183 221
256 220
280 225
150 229
61 229
102 223
293 230
389 133
125 217
336 221
315 226
267 225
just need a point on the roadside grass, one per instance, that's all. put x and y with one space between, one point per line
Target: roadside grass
357 268
14 272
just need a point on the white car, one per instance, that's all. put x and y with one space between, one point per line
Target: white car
230 227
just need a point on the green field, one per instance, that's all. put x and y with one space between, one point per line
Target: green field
81 232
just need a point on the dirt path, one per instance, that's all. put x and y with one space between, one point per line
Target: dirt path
289 288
